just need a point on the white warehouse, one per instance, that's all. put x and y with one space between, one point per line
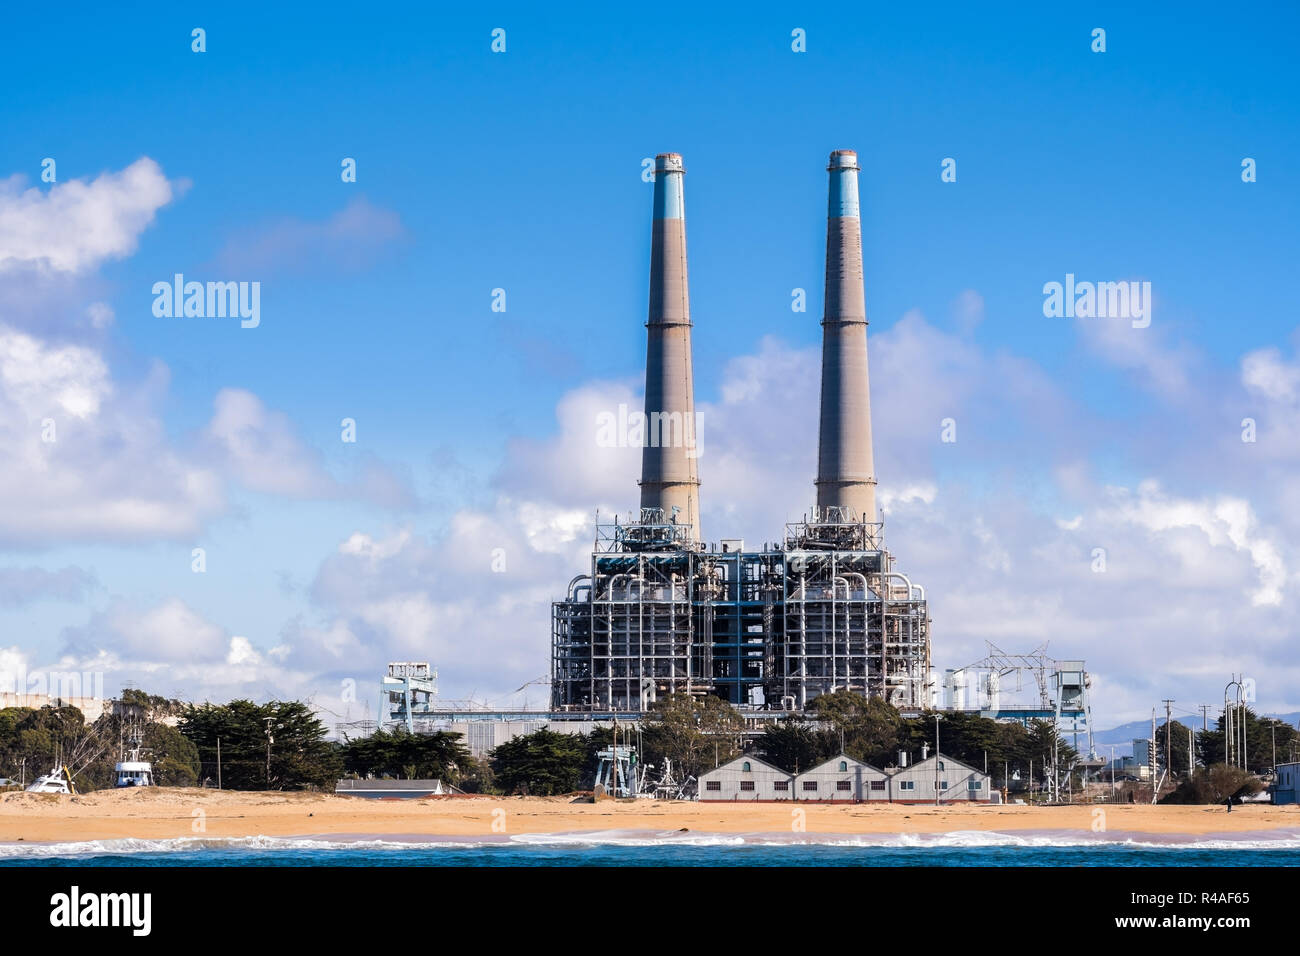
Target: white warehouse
842 779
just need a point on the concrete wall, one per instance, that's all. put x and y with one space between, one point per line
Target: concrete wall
92 708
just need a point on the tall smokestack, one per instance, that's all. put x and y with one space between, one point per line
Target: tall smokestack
668 473
846 473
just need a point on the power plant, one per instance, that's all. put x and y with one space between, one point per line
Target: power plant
821 608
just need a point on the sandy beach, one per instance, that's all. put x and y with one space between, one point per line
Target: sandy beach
170 813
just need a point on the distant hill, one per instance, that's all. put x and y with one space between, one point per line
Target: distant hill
1123 736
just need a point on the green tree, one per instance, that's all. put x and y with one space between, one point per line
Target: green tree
399 753
1260 735
791 745
870 728
1178 744
693 732
1215 784
543 763
174 757
300 757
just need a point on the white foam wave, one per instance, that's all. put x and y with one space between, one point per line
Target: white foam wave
959 839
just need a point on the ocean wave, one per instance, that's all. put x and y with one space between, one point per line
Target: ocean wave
181 845
352 843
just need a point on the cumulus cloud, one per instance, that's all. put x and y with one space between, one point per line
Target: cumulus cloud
1159 364
1013 561
84 458
78 224
170 632
261 449
1264 372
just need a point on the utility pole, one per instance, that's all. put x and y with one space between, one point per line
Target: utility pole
1151 757
218 763
937 759
1169 740
269 740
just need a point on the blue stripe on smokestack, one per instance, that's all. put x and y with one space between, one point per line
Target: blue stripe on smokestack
669 203
844 185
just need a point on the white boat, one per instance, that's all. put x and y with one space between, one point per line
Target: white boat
133 773
57 780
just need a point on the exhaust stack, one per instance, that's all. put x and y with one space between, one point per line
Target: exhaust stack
669 478
846 473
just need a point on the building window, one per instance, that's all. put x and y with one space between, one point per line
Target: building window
713 785
810 784
745 766
844 766
746 785
843 785
941 785
941 766
974 785
907 785
877 785
780 784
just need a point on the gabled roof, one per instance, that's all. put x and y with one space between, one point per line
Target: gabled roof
738 761
947 760
832 765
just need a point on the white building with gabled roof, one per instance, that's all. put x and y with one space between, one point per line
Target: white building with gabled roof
949 778
746 778
842 779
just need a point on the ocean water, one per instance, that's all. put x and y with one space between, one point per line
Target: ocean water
640 848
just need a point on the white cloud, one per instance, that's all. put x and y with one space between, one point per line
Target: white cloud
1225 522
1266 373
79 224
1159 365
81 458
262 451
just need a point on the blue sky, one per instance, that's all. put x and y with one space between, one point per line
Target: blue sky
522 171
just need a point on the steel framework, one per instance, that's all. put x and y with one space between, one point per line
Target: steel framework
823 610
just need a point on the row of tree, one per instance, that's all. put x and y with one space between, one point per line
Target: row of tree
33 740
281 745
872 730
1268 740
693 735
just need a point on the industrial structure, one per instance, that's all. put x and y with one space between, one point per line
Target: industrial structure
821 608
998 686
